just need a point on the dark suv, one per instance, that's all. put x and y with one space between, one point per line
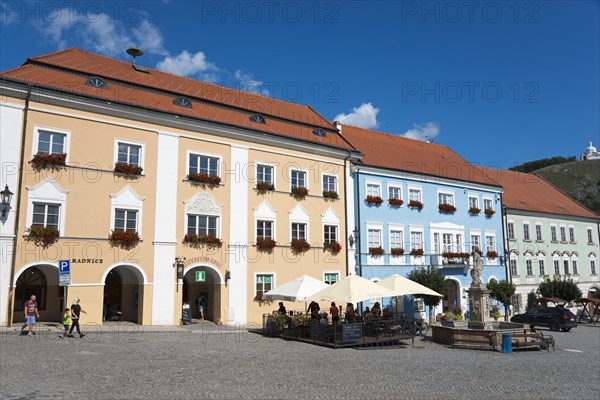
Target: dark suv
554 318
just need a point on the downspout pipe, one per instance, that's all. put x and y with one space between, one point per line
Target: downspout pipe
358 224
506 246
11 287
346 212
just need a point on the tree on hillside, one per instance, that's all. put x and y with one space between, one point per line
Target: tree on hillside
565 289
545 162
434 280
502 291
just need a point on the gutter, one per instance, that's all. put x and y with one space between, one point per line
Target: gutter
346 212
506 245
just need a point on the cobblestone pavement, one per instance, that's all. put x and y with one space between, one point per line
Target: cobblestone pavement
134 363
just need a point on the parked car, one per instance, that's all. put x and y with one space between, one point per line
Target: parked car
554 318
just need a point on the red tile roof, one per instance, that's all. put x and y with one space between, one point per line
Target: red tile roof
395 152
69 70
530 192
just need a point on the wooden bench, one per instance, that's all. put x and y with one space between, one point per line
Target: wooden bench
474 339
532 340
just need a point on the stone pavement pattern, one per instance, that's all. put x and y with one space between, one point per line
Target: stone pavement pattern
182 364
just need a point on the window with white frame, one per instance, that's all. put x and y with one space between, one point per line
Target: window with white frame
416 240
264 283
126 220
475 242
373 238
128 153
329 183
46 215
538 232
394 192
487 204
265 174
373 189
513 267
526 231
529 266
542 267
446 198
298 231
447 243
593 267
51 142
556 267
473 202
396 239
590 236
566 266
200 164
563 234
574 265
511 230
414 194
490 243
264 229
458 242
331 277
330 233
298 179
572 234
203 224
553 233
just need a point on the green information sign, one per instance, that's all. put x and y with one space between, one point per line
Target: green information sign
200 276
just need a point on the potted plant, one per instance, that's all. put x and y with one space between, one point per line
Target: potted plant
299 193
397 251
373 200
491 254
376 251
474 210
331 194
124 239
42 236
453 257
333 247
259 299
394 202
489 212
264 187
416 252
447 208
204 179
299 246
415 204
265 245
48 161
209 241
128 170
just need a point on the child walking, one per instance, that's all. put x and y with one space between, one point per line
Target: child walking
66 323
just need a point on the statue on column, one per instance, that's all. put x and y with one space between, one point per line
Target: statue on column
477 268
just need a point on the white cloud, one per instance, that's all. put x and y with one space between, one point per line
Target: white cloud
364 116
9 13
151 37
427 131
187 64
249 84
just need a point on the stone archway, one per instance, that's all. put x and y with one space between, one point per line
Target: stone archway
40 280
209 290
123 293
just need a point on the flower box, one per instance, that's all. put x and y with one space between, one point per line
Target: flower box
259 299
394 202
331 194
299 193
128 169
447 208
299 246
333 247
376 251
491 255
374 200
264 187
474 210
48 161
42 236
416 252
209 241
397 251
265 245
415 204
124 239
455 258
489 212
204 179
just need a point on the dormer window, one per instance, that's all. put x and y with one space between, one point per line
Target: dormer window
182 102
259 119
319 132
97 83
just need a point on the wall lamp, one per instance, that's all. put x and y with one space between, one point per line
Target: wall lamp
6 195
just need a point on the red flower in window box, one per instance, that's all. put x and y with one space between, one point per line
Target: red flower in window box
376 251
415 204
489 212
42 236
264 187
299 193
265 245
299 246
447 208
124 239
394 202
491 255
416 252
128 169
209 241
478 252
204 179
333 247
397 251
331 194
474 210
374 200
452 255
42 161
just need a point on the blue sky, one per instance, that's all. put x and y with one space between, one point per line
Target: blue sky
500 82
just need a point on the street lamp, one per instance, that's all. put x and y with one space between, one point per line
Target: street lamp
6 196
179 264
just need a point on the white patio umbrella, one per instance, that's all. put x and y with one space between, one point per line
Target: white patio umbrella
296 290
352 289
402 286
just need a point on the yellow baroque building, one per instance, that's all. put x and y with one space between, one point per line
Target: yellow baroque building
122 170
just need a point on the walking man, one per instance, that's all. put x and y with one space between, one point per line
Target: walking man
76 311
31 312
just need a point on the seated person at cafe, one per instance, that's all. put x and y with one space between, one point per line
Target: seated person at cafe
323 320
376 310
349 315
367 315
386 313
281 310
